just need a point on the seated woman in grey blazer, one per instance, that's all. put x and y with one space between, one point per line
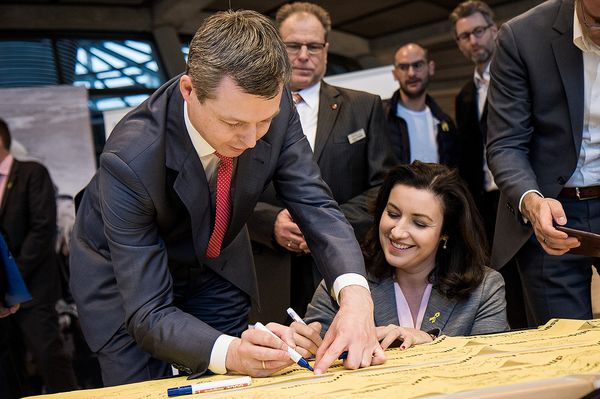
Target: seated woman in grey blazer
425 257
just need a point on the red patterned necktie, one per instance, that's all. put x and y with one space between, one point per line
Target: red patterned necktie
223 206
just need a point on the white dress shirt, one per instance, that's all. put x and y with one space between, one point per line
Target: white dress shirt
587 171
482 83
308 110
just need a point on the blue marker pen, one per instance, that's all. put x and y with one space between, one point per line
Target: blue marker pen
295 356
210 386
292 313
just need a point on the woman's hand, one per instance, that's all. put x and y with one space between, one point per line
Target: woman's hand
409 336
307 338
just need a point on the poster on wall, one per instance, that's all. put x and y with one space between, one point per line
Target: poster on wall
51 125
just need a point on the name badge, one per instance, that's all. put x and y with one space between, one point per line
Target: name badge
356 136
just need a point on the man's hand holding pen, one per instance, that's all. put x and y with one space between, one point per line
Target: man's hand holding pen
307 337
258 353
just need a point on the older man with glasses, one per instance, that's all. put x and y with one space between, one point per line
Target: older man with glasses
544 151
419 129
347 132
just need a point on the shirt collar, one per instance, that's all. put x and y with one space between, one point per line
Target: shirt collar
310 95
479 79
580 40
6 164
200 145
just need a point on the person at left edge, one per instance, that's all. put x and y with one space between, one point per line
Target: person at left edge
147 291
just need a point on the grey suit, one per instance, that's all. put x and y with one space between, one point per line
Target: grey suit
483 312
138 270
353 171
535 122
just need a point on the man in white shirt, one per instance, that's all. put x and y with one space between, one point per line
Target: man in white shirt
419 129
543 149
347 132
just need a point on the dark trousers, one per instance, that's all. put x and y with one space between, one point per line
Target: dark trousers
197 291
11 369
560 286
38 327
515 303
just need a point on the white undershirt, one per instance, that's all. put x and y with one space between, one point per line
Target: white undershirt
422 134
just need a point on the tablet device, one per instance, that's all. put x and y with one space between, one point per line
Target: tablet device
590 242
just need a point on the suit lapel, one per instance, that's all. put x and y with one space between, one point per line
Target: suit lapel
438 311
384 298
249 177
191 184
330 103
9 188
569 60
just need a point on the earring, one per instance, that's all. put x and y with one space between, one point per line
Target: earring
445 243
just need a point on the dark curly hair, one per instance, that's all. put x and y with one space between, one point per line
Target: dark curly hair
460 267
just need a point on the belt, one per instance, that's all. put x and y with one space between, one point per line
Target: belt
580 193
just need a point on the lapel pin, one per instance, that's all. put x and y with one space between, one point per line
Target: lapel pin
444 126
9 185
334 106
433 318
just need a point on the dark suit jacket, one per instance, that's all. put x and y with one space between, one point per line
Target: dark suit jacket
535 115
28 221
447 135
353 171
483 312
146 214
471 132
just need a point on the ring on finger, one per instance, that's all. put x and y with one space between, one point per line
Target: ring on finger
544 239
263 365
289 244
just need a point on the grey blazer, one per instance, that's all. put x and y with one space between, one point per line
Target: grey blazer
535 115
484 311
147 213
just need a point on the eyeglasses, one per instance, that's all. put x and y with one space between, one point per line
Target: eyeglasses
312 48
416 66
477 32
595 26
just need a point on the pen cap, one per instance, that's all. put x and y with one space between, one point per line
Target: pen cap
179 391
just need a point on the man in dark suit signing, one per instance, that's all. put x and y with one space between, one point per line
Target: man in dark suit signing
161 264
347 132
544 151
28 222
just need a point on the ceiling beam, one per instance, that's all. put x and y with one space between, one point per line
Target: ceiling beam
177 13
59 17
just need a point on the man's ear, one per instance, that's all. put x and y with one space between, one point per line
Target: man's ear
494 30
431 67
186 87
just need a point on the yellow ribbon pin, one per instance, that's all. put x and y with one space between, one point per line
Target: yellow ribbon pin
433 318
444 126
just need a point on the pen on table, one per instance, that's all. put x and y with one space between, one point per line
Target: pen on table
210 386
292 313
295 356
